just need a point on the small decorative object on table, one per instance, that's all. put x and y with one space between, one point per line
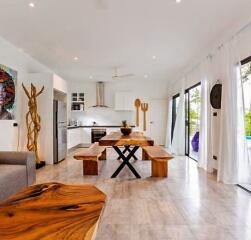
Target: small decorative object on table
125 129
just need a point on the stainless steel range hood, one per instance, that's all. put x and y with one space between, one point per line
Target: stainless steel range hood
100 91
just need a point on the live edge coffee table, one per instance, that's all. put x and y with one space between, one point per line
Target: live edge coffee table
52 211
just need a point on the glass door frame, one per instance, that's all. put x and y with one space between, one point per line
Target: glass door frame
174 114
243 62
187 120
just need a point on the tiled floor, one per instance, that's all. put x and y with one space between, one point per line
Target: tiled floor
190 204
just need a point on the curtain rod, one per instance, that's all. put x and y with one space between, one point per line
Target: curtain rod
211 55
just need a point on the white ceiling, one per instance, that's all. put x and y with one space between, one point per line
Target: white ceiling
123 33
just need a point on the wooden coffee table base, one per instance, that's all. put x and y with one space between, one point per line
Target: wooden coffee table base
52 211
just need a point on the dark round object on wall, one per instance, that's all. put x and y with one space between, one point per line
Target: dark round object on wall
215 96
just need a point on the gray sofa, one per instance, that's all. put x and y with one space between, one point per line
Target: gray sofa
17 171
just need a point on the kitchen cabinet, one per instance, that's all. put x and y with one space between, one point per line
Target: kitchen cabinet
82 135
77 102
78 136
74 137
124 101
86 135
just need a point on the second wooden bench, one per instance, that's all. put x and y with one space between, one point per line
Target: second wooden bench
90 158
159 157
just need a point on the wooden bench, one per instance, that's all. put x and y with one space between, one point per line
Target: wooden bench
90 158
159 158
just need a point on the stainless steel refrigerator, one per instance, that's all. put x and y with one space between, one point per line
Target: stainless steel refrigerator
59 131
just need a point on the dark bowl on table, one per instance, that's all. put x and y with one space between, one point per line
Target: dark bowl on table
126 130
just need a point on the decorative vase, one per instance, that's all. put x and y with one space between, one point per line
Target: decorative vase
126 130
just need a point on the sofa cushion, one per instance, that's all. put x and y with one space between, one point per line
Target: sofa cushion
13 178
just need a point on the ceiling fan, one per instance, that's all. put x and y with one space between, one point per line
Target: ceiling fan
116 75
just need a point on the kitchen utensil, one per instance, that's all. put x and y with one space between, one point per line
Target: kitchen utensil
144 109
137 104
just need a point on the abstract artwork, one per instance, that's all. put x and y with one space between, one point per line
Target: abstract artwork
8 81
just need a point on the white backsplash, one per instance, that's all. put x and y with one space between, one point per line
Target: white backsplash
103 116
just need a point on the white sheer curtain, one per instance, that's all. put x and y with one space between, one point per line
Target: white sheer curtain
178 142
205 156
233 164
169 123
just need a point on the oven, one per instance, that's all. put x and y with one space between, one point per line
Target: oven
98 133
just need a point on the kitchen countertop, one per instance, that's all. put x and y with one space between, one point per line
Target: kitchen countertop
97 126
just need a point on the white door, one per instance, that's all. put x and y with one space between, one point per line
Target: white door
157 120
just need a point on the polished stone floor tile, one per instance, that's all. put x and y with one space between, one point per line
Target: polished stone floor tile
188 205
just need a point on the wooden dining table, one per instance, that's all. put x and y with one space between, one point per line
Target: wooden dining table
118 140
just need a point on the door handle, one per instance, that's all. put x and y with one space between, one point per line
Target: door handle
151 122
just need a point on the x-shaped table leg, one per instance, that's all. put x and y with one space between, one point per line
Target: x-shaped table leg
126 161
127 149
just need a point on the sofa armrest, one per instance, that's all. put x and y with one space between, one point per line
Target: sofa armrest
21 158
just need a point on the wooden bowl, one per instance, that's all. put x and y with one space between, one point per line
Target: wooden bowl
126 130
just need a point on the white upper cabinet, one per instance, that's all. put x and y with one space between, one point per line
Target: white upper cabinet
124 101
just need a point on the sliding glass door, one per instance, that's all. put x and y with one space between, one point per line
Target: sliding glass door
193 103
176 100
246 83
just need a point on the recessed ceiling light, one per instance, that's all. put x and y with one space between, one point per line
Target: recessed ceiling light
75 58
178 1
145 76
90 77
154 57
31 4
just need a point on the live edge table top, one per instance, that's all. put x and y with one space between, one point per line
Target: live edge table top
52 211
118 139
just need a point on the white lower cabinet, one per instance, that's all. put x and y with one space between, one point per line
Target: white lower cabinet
80 135
73 137
77 136
86 135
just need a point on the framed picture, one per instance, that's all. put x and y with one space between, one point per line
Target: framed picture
8 81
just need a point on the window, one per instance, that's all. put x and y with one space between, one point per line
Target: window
175 104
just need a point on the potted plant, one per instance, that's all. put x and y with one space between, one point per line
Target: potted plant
125 128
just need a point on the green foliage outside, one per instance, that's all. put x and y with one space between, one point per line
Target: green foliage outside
194 113
246 76
248 123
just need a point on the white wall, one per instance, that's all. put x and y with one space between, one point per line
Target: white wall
12 57
59 84
243 39
29 71
145 90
